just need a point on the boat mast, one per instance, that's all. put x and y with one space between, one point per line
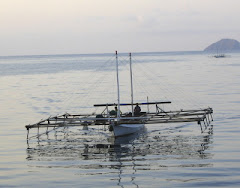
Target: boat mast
130 57
118 111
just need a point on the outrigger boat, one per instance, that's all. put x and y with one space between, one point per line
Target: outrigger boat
122 124
219 56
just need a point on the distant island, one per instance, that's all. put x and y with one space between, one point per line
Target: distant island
223 46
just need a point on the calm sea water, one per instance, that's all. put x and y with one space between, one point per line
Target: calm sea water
163 155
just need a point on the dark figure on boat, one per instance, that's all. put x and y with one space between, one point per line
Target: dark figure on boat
99 122
114 112
137 110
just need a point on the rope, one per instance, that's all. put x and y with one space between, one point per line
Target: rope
104 74
88 84
174 91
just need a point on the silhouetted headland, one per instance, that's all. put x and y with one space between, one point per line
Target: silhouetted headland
224 45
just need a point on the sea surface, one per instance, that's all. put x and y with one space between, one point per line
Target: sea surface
162 155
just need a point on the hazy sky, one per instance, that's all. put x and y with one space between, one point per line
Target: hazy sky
94 26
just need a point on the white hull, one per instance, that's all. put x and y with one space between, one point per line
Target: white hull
126 129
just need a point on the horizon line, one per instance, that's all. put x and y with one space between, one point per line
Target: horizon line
104 53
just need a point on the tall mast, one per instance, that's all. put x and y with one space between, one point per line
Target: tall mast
130 57
118 90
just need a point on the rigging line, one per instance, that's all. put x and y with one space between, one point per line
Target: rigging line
136 81
141 86
144 90
122 62
139 83
166 91
104 75
175 90
70 100
149 94
190 97
181 91
147 74
114 88
91 76
89 92
95 85
125 61
150 75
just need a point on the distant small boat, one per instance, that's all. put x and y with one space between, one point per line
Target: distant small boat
219 56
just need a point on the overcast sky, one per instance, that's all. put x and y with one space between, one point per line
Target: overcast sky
30 27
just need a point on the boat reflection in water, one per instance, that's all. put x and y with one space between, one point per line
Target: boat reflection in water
126 158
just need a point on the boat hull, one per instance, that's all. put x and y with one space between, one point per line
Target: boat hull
126 129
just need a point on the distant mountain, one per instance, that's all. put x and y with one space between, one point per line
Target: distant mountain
224 45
